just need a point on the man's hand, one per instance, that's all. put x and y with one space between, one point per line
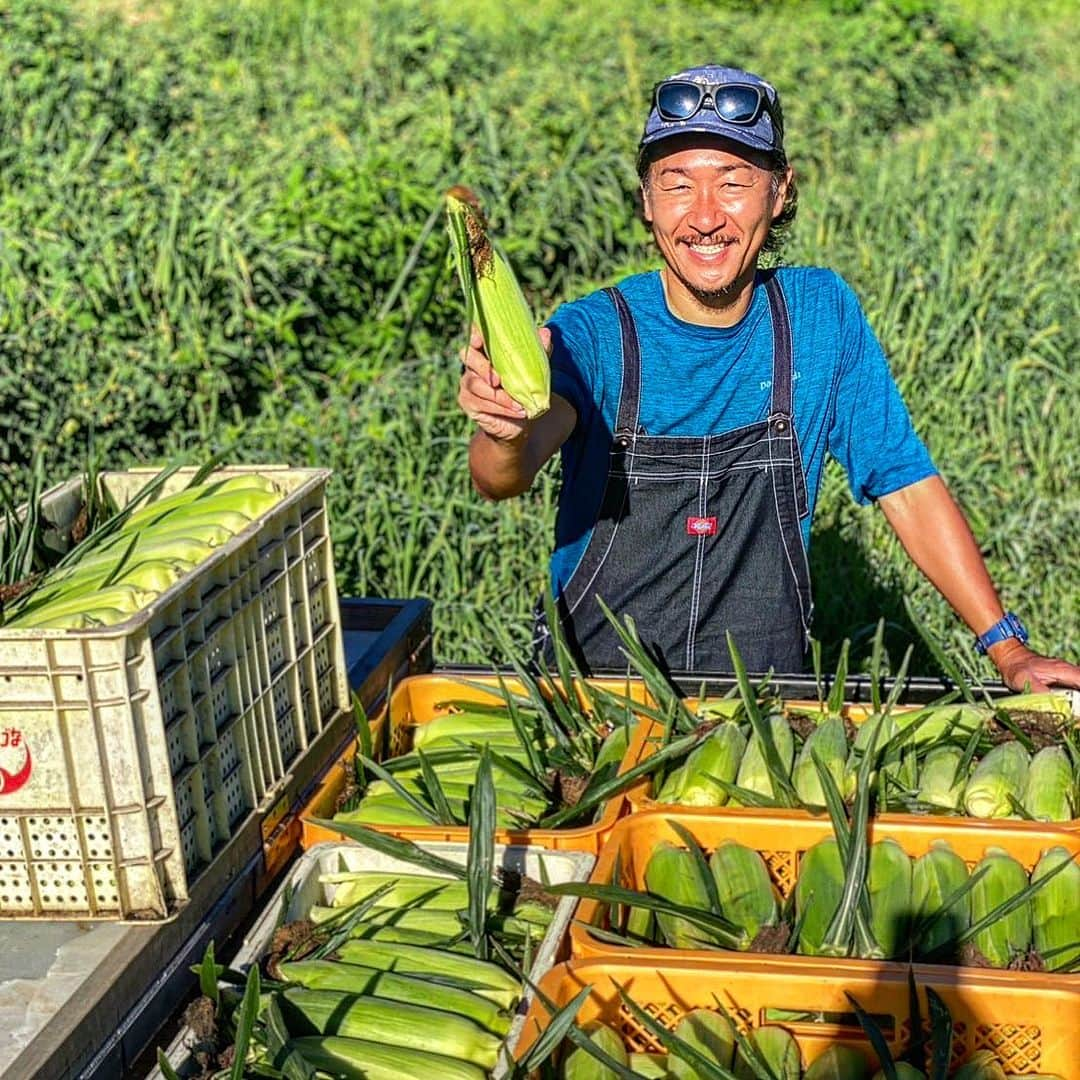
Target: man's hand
1021 666
482 398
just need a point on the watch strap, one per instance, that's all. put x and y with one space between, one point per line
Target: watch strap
1008 627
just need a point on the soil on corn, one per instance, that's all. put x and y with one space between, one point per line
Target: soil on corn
532 891
568 788
1043 729
772 939
199 1017
293 940
1029 961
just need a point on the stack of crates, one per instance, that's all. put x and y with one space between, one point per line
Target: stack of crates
1024 1018
130 755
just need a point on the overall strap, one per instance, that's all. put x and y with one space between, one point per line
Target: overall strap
626 421
782 355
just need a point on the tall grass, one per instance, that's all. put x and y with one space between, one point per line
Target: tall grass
219 226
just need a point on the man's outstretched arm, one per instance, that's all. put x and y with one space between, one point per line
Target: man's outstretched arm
937 537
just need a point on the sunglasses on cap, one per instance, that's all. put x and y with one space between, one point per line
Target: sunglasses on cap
735 103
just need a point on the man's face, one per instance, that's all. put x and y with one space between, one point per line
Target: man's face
710 212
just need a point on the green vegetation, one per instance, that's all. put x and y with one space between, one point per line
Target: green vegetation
220 227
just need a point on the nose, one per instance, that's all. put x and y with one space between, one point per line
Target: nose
707 213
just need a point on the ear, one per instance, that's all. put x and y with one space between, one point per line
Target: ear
781 192
646 203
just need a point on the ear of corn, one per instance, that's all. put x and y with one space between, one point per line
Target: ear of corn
672 874
829 741
1055 911
495 299
393 1023
1050 790
954 722
717 758
640 923
889 884
778 1050
1010 936
468 726
747 895
904 1071
941 782
982 1066
998 779
935 878
708 1032
753 771
487 978
1051 703
649 1066
581 1065
356 979
838 1062
818 890
372 1059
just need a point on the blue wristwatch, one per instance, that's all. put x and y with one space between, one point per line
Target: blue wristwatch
1009 627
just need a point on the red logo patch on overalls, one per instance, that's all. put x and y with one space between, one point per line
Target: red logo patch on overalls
13 780
697 526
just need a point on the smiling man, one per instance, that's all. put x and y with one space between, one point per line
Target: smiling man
694 407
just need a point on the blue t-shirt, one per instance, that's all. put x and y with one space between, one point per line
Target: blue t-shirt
700 380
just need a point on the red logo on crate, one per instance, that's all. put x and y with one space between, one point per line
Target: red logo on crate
12 781
696 526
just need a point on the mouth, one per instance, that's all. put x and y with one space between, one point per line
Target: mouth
709 249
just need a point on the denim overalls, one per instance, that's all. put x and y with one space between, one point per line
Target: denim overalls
697 536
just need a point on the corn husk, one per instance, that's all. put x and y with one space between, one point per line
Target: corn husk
1055 911
498 306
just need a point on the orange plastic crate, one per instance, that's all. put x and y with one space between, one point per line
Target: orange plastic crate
1030 1029
781 837
420 699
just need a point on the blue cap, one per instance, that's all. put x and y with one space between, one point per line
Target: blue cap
766 133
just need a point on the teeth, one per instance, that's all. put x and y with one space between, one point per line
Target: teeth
709 249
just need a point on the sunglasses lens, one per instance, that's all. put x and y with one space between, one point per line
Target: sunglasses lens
678 100
738 104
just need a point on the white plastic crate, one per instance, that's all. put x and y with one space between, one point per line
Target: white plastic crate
302 889
129 754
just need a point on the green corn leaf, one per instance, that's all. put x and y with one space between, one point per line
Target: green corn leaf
167 1071
876 652
245 1023
782 787
341 927
941 1031
208 976
839 686
730 936
943 659
819 677
604 791
434 790
551 1038
704 1066
481 859
877 1039
421 807
916 1049
396 848
746 796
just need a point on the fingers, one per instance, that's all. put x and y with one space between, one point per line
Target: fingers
1040 674
545 339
